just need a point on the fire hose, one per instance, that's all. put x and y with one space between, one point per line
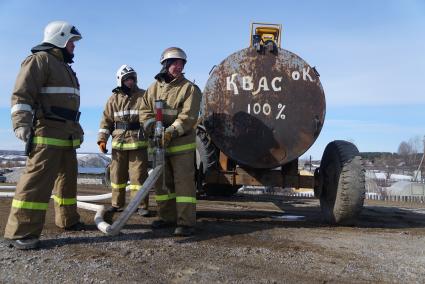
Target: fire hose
158 159
114 228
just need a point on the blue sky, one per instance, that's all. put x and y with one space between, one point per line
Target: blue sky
370 55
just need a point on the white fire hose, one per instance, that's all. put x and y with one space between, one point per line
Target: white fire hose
115 228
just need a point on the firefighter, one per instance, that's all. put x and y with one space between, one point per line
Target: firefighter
176 197
129 155
45 115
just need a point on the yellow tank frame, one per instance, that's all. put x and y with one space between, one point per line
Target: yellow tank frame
266 31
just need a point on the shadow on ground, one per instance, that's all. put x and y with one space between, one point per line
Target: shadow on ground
220 217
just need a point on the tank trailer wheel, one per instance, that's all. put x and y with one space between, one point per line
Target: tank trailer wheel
341 183
206 159
318 183
199 174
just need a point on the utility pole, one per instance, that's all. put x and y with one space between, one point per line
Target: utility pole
310 163
420 164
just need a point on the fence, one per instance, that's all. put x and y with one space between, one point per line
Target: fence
395 198
401 191
279 194
275 192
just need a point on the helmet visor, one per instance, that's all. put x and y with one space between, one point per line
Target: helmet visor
131 75
75 32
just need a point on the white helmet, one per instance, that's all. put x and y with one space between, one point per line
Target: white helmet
173 52
124 72
59 33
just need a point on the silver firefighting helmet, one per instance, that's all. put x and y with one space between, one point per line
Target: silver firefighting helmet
59 33
173 53
124 72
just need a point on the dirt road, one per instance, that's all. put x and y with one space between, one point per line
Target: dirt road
238 240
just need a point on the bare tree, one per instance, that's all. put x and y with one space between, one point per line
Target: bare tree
415 144
408 151
404 150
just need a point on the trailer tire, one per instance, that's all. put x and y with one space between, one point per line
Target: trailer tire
206 151
207 159
343 183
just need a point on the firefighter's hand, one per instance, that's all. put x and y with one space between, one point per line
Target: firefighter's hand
169 134
149 127
165 141
102 147
23 133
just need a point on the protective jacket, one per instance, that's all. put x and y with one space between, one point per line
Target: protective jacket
181 109
48 87
121 119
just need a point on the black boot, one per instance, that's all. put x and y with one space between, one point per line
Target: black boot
143 212
160 224
184 231
24 244
79 226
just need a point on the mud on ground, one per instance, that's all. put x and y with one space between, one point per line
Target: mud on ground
238 240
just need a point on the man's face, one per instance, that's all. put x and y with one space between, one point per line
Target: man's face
70 46
129 82
176 68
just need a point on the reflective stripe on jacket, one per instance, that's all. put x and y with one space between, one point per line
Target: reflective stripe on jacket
122 108
44 84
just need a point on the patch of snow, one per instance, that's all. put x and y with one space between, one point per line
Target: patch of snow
89 181
400 177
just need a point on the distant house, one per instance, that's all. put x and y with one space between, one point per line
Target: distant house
311 166
396 177
376 175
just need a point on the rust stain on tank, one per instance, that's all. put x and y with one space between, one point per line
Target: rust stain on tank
263 110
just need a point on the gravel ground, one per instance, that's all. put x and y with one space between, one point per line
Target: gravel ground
238 240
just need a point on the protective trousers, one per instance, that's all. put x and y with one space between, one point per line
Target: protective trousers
128 165
176 199
46 169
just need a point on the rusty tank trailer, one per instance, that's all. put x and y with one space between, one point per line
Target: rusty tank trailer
262 108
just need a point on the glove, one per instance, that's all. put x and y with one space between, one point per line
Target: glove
149 127
102 147
169 134
165 141
23 133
